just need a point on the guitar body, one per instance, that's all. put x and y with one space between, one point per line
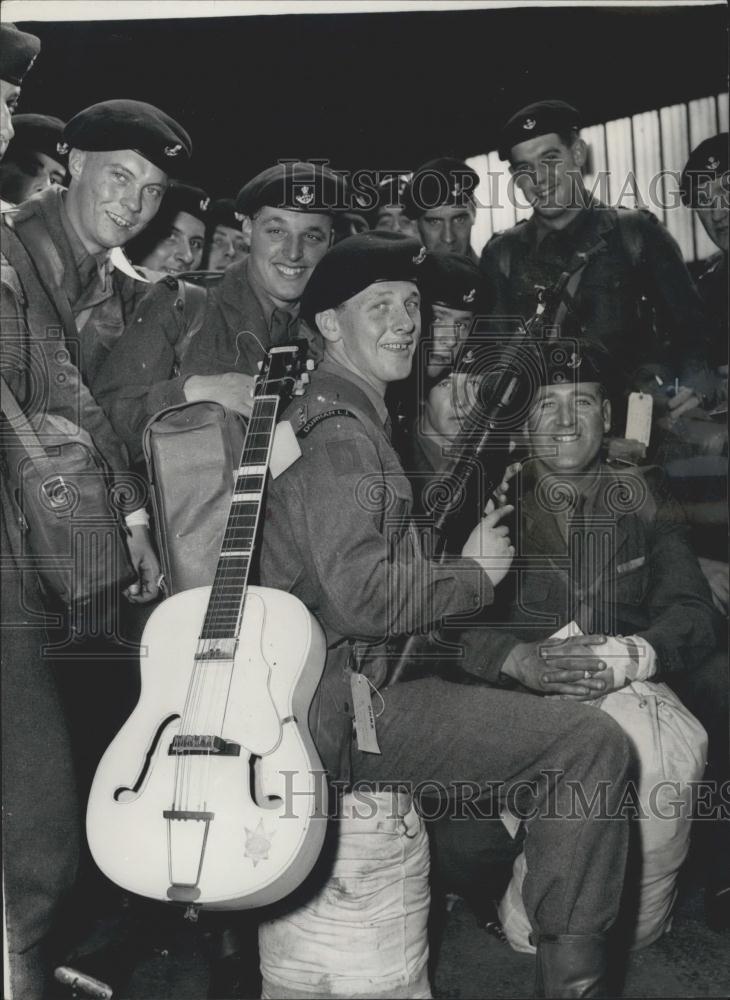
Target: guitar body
233 828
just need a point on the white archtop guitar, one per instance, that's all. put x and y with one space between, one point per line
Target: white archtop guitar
212 793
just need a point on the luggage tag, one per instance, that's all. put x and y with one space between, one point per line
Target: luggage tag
638 417
361 690
285 449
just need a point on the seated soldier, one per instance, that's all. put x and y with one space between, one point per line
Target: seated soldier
337 534
643 583
174 240
32 162
228 235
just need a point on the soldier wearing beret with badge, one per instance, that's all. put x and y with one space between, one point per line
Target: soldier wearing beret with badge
254 306
631 292
344 507
228 235
440 198
32 161
389 215
173 242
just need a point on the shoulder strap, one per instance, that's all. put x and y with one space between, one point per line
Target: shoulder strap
628 223
49 267
24 430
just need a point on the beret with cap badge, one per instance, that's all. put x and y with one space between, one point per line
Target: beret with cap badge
223 213
181 197
443 181
18 52
296 187
540 118
706 162
357 262
451 280
37 134
126 124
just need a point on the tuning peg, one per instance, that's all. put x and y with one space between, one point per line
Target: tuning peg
259 365
304 378
310 365
299 391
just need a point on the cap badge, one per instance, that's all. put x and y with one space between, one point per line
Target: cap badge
468 358
469 297
713 163
239 216
420 256
456 190
204 202
305 194
173 150
62 148
361 201
529 124
575 361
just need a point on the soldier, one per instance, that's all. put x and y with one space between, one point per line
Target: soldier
32 162
440 198
705 187
228 237
631 264
389 215
358 569
174 240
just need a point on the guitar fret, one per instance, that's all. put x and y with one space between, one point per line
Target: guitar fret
245 497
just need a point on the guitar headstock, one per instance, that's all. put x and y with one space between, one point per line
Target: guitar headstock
284 371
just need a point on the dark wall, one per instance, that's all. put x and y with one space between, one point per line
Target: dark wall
376 91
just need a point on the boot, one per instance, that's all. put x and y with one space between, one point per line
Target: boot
571 965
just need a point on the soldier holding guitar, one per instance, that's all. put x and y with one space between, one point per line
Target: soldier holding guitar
338 535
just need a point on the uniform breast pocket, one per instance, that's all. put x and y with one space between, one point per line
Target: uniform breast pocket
631 581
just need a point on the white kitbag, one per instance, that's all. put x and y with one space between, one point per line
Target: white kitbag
671 749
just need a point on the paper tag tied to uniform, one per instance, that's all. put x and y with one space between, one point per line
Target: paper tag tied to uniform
362 704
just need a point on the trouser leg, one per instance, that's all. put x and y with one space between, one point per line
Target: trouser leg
547 759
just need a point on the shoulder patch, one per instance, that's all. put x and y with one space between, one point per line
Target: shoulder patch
306 428
345 457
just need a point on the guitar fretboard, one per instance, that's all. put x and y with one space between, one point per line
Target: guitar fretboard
229 585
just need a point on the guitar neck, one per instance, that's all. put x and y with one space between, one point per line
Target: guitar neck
225 606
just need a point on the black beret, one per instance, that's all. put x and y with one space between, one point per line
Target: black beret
181 197
443 181
37 134
448 279
297 187
223 213
706 162
18 52
356 262
135 125
540 118
567 360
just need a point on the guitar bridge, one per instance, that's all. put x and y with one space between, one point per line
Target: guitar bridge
189 745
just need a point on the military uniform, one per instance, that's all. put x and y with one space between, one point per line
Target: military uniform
712 284
639 267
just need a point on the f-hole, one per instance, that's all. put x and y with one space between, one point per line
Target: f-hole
126 794
255 786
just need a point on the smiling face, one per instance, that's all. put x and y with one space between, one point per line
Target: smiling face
548 172
9 96
182 250
447 229
285 248
375 333
713 208
112 196
566 426
227 245
449 330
